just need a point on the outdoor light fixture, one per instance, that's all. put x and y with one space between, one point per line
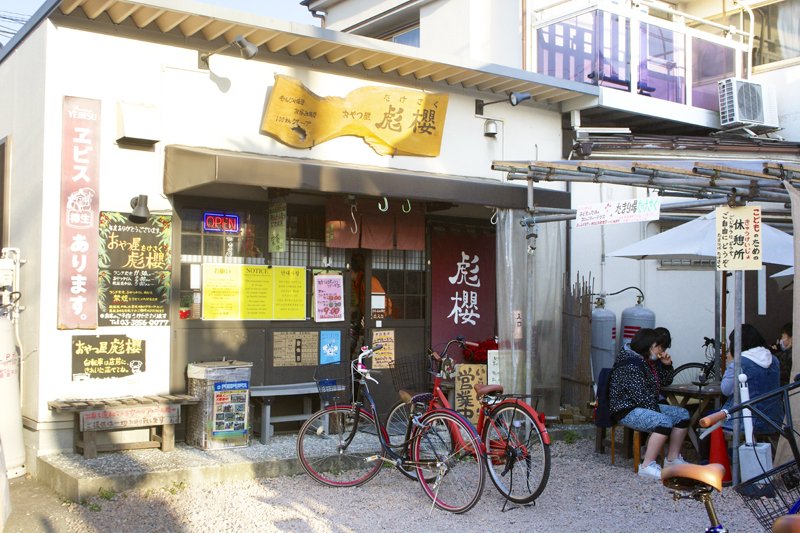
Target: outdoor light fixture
140 213
513 99
247 49
490 128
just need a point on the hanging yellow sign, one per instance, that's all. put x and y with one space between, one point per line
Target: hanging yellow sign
392 121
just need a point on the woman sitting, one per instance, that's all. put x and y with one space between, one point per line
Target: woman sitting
640 370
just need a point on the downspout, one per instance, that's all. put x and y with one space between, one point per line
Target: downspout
749 36
321 15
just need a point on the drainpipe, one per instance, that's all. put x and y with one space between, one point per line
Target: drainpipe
321 15
749 36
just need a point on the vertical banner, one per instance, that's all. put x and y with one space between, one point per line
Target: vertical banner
462 285
80 183
739 244
328 298
277 227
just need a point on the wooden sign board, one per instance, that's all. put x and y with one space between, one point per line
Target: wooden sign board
134 416
466 400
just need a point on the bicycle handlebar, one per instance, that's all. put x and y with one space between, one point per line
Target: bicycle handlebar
713 418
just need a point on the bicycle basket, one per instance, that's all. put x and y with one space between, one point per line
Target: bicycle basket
334 383
411 374
771 494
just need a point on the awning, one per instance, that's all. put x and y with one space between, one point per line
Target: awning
238 175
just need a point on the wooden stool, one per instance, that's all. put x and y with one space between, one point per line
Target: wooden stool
636 444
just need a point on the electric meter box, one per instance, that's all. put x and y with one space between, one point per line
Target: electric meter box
221 419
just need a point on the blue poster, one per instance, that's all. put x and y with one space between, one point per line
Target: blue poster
330 346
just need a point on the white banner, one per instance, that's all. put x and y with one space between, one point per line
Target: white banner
638 210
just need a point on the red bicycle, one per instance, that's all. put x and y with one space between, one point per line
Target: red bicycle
517 445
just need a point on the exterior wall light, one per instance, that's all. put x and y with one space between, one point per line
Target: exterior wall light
247 50
513 99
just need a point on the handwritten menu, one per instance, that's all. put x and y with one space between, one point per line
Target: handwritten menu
328 298
134 276
384 358
253 292
739 243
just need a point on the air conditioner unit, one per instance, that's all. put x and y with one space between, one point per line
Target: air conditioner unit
746 104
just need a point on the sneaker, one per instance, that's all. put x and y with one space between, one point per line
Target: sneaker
677 461
653 470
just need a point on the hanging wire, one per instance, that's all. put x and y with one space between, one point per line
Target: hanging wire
384 206
493 218
408 203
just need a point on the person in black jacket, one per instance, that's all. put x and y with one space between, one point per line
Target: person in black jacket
640 371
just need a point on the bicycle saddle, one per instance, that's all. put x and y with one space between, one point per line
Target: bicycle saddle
483 390
408 396
789 523
690 477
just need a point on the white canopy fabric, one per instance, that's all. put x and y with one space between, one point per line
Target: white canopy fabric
784 273
697 239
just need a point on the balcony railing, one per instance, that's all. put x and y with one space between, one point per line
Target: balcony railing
631 51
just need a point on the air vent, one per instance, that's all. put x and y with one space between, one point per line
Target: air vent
747 104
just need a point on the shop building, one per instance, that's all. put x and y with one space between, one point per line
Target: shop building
110 108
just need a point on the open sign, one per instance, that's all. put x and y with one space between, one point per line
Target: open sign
221 223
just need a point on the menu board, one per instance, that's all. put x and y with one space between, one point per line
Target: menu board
253 292
383 358
328 298
295 348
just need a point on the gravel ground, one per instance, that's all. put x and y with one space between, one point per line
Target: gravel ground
585 493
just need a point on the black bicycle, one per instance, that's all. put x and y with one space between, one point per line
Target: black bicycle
698 373
345 445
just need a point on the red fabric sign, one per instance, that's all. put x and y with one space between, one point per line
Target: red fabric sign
80 202
463 286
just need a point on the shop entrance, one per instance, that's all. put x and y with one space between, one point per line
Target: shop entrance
387 305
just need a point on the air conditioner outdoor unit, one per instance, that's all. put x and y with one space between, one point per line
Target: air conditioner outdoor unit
746 104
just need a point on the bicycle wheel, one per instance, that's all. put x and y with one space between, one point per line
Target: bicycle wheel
338 446
518 459
397 428
691 372
449 461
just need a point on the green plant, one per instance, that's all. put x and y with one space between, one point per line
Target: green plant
571 436
106 494
177 486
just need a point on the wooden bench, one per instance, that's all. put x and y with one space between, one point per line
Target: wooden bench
267 393
111 414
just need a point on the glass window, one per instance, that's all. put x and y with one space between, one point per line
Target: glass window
408 37
402 274
305 246
711 62
662 70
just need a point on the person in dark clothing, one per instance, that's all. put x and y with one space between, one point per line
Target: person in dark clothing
639 372
783 351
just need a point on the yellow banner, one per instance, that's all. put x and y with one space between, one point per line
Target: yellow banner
392 121
253 292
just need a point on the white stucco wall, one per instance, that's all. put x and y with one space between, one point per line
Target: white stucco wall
220 108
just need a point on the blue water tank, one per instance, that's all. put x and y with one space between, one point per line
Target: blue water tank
632 320
604 338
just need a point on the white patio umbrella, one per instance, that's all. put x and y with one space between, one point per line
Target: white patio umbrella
785 278
697 239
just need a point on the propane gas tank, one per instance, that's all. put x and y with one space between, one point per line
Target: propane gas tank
11 421
633 319
604 339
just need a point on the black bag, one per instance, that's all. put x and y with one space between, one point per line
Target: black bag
602 415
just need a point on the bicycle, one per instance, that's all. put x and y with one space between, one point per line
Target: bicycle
698 373
769 496
345 445
516 442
